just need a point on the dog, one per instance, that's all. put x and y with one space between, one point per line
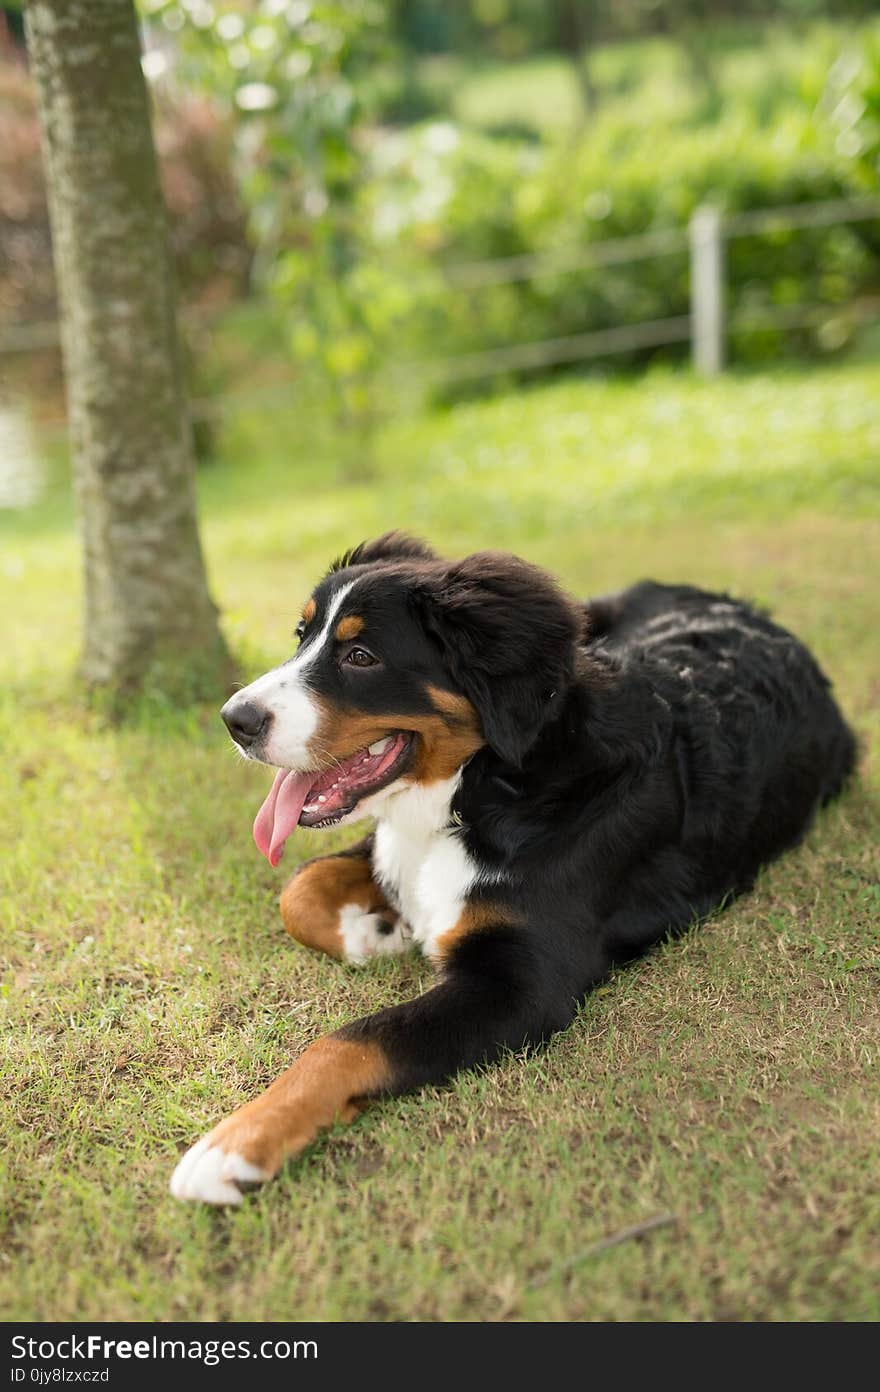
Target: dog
556 786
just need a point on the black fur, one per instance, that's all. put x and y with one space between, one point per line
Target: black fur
508 636
644 756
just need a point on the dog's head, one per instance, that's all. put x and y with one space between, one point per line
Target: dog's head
407 665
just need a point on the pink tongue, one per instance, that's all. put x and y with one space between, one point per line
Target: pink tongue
280 812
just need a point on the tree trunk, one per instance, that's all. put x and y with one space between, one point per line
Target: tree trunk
148 613
576 27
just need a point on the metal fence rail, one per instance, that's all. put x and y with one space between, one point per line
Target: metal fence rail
573 348
613 252
797 215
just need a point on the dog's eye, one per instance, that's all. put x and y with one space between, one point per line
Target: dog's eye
300 629
359 657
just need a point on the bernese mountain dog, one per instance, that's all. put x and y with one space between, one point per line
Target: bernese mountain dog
555 787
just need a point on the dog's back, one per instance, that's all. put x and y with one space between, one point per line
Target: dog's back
754 709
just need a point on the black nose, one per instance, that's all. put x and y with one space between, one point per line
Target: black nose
245 721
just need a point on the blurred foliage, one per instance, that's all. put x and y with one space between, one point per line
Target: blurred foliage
292 164
354 222
290 71
442 194
207 215
852 100
507 30
27 284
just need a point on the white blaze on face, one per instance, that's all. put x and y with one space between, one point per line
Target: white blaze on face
285 695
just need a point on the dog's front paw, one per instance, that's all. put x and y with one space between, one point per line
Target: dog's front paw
216 1170
366 935
330 1082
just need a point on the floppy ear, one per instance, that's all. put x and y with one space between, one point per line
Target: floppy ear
391 546
508 635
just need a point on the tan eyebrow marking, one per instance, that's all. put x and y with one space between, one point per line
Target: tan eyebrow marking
349 627
309 611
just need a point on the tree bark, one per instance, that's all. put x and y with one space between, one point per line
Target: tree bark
148 613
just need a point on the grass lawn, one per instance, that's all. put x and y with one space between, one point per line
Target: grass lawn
729 1079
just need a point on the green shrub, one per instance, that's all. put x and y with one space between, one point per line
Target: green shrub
441 196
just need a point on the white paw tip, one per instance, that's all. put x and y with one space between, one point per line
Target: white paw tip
363 938
208 1174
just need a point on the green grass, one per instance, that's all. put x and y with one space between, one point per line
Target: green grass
728 1079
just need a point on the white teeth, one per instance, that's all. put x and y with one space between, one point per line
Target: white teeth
380 746
321 797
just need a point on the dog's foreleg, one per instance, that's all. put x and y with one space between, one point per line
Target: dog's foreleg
334 905
493 997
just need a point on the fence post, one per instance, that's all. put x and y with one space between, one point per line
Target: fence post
707 291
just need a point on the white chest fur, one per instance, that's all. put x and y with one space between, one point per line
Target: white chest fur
421 863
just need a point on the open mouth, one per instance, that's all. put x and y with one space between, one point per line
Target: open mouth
322 799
